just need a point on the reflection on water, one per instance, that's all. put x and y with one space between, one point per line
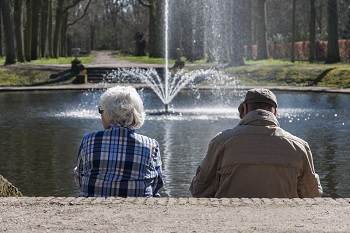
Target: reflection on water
41 132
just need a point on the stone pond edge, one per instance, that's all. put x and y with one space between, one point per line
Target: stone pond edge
84 87
166 201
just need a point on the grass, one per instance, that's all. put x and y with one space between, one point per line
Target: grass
11 77
143 59
62 60
280 72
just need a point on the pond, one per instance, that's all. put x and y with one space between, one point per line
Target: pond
41 132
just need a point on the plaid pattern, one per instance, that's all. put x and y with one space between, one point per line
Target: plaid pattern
118 162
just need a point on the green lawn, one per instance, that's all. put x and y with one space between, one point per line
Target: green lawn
19 77
280 72
62 60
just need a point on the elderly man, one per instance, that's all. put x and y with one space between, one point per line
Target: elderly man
257 158
117 161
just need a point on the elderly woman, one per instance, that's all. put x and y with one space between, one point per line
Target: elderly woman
117 161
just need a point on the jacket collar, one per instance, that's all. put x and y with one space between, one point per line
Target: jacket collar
259 118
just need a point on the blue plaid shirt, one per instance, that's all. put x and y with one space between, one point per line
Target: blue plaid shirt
118 162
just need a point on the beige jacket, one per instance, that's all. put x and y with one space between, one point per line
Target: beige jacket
257 159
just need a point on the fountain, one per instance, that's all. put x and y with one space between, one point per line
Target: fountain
167 85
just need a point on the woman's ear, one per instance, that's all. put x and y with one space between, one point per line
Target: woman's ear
274 111
240 110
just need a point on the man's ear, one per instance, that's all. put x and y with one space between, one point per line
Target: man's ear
242 110
245 109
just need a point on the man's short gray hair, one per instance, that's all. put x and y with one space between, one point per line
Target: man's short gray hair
123 106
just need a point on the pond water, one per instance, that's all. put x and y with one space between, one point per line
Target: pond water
41 132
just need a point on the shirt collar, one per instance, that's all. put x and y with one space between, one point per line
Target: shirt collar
259 118
116 125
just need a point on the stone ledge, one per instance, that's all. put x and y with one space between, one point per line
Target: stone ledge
71 214
210 202
102 86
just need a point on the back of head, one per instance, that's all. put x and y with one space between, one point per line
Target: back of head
123 106
258 98
263 106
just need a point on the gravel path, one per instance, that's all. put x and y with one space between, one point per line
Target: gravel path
173 215
105 58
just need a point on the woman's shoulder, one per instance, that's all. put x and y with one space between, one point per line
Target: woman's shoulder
95 134
146 140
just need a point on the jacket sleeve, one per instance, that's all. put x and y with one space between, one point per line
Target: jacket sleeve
309 183
157 164
205 182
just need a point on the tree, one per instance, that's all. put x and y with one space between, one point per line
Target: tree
156 9
248 29
236 41
44 27
49 30
312 33
187 26
198 47
1 54
28 31
332 29
36 7
18 13
8 32
58 27
261 30
293 31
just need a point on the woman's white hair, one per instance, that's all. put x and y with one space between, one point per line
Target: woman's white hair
123 106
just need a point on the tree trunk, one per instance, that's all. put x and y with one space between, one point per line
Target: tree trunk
187 32
58 28
156 36
18 12
249 29
236 51
63 37
1 34
198 47
28 31
44 26
293 32
332 28
261 30
8 32
175 28
92 35
49 30
36 6
312 32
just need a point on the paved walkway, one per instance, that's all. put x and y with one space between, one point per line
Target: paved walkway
105 59
173 215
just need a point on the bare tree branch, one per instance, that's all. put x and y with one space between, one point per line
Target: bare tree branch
82 16
144 4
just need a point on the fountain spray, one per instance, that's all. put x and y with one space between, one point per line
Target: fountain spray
166 22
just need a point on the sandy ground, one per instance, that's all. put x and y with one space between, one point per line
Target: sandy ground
173 215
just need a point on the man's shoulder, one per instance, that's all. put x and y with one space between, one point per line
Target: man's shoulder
223 136
285 134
